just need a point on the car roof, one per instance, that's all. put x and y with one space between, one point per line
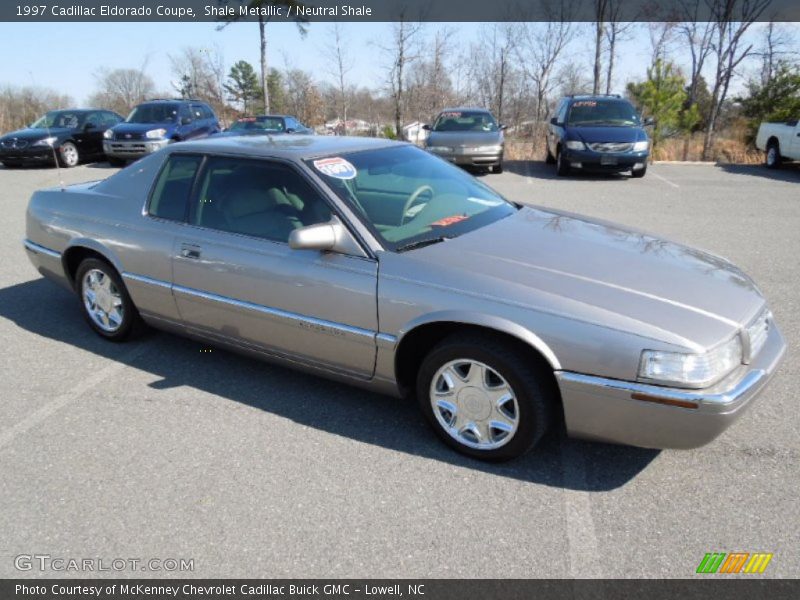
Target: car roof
612 97
295 147
466 108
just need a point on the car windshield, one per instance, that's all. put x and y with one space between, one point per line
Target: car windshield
408 197
602 112
268 124
60 118
465 120
153 113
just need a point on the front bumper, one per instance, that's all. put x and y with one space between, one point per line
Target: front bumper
611 162
132 148
470 158
653 416
30 154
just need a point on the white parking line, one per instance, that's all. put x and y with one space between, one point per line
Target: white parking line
528 172
59 402
664 179
581 536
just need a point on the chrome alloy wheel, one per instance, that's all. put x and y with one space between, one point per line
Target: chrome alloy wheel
772 156
69 153
474 404
102 300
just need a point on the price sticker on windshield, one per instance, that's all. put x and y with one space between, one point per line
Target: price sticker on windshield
447 221
335 167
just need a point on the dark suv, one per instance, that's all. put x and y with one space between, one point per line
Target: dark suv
156 123
597 133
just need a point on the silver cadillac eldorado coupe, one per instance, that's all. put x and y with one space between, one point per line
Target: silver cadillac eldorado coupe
379 264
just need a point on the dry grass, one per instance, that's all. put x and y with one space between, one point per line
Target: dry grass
727 150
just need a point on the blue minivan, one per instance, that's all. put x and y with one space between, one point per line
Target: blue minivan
156 123
598 133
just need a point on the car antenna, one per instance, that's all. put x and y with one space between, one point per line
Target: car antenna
52 147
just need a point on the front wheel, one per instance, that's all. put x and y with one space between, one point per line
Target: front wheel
773 156
498 168
68 155
483 398
639 172
107 306
116 162
562 165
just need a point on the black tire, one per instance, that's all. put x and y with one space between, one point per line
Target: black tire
562 165
638 173
12 165
131 323
498 168
531 382
548 158
68 155
116 162
772 156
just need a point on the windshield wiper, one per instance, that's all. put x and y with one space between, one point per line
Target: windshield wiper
421 243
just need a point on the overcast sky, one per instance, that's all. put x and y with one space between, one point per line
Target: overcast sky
66 56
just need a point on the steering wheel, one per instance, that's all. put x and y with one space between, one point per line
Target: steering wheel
413 198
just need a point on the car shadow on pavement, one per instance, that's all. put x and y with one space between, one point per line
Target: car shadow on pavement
789 172
538 169
42 308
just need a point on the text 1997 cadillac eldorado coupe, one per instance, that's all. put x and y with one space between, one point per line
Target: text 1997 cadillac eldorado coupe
376 263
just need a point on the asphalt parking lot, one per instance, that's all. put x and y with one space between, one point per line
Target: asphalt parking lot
157 449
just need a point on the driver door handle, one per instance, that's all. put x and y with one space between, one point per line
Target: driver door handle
190 251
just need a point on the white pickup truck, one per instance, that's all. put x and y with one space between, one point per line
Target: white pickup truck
779 141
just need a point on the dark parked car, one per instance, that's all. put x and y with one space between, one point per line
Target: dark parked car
597 133
267 125
467 137
68 136
156 123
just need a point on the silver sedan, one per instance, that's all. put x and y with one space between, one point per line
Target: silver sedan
379 264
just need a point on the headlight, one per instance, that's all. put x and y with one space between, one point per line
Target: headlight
108 134
641 146
155 134
576 145
439 149
48 141
691 370
496 148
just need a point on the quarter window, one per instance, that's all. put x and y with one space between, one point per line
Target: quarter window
256 198
173 187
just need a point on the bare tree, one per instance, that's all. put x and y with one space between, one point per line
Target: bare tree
401 52
601 14
19 106
731 20
341 65
121 89
539 48
616 31
776 46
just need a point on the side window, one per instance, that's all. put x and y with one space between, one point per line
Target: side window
171 192
184 112
197 112
110 119
562 112
95 118
207 112
291 123
256 198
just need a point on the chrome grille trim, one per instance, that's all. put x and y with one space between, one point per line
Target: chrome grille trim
611 146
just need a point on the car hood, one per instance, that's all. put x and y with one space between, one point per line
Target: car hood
246 133
37 134
123 128
598 272
591 135
464 138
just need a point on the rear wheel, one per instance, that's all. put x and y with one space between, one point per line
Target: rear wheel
68 155
107 306
483 398
772 157
562 165
11 165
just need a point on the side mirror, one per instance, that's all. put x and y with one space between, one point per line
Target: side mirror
290 130
426 127
186 120
89 126
649 122
325 237
554 121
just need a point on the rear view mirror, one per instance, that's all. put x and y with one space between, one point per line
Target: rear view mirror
649 122
503 127
554 121
290 130
426 127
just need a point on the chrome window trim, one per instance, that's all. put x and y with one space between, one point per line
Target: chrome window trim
32 247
